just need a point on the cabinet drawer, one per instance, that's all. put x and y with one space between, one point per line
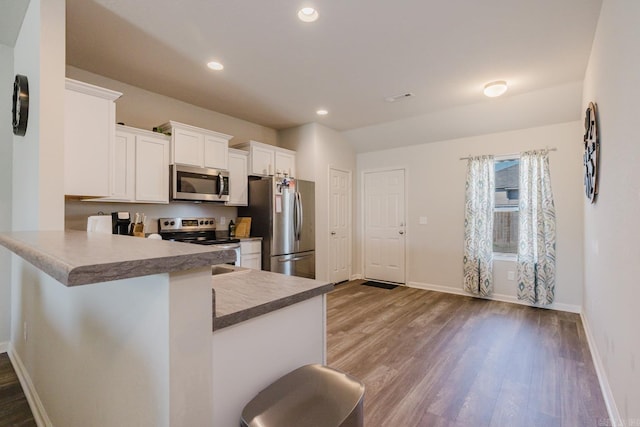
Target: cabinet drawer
251 247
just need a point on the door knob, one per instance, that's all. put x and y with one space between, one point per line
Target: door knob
333 233
401 232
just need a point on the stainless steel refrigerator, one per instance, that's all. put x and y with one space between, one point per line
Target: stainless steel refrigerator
282 212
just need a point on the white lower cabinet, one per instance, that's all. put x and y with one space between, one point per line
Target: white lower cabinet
251 254
238 178
140 166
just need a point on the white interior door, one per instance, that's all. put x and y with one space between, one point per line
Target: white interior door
339 225
384 231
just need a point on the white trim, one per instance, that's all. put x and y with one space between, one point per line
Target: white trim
355 277
37 408
4 347
607 394
495 297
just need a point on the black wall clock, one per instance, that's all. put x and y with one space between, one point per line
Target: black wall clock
20 108
591 152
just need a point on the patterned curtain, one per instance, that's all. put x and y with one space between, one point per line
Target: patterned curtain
537 230
478 226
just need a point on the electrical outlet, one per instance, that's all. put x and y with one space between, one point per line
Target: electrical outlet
422 220
511 275
223 220
24 331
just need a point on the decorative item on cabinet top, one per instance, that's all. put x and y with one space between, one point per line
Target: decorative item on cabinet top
194 146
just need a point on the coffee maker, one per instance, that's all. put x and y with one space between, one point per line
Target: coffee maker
121 222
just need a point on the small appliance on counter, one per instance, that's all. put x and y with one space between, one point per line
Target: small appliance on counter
100 224
120 221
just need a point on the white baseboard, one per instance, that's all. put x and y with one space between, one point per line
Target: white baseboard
4 347
607 394
356 277
495 297
37 408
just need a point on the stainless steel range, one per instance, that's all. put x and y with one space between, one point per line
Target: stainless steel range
201 231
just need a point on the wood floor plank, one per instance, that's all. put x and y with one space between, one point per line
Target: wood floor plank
435 359
14 408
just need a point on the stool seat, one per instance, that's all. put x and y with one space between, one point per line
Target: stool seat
310 396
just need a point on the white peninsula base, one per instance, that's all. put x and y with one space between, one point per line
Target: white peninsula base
250 355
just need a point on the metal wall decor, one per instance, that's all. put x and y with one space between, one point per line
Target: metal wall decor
20 105
591 152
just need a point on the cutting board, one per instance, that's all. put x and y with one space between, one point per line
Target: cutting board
243 227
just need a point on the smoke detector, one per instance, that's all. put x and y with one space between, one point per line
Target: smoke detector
400 97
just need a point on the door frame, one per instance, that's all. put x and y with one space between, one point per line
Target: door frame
361 216
350 222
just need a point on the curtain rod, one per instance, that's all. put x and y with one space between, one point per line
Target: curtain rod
509 154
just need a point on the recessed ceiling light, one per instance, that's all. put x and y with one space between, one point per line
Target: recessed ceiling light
215 65
307 14
322 112
496 88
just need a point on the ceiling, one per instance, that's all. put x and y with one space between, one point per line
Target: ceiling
279 70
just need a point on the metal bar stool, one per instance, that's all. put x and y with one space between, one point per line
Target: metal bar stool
310 396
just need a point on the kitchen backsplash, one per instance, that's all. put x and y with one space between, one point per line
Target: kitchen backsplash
77 212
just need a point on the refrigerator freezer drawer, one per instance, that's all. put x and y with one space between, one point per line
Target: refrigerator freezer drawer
301 264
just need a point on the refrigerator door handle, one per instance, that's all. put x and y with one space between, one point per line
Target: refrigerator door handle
292 259
300 216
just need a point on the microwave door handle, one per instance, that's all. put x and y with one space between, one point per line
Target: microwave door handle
220 185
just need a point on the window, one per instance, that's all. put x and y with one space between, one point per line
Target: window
505 213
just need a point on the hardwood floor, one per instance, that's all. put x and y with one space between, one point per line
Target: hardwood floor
14 409
441 360
436 359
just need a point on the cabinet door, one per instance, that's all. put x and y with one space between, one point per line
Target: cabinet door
216 151
188 147
285 163
123 166
238 182
262 160
89 129
152 170
251 261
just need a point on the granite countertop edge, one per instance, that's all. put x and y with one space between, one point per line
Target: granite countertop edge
221 322
43 250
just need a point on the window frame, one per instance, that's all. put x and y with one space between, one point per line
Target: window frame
506 256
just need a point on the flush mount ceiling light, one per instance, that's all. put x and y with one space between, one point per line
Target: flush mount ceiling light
322 112
215 65
307 14
496 88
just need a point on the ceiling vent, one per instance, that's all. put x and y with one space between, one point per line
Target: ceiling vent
399 97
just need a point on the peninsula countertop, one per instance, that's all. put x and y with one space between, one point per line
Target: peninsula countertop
81 258
245 293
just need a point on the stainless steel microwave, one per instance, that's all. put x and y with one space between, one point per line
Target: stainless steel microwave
199 184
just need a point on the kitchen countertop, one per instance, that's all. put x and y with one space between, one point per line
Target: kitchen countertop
245 293
80 258
247 239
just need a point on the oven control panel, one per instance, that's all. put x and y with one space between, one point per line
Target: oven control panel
186 224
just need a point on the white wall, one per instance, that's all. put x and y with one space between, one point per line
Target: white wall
317 149
611 227
143 109
6 149
435 180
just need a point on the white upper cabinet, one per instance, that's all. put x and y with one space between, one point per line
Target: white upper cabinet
140 166
238 180
266 160
89 136
198 147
